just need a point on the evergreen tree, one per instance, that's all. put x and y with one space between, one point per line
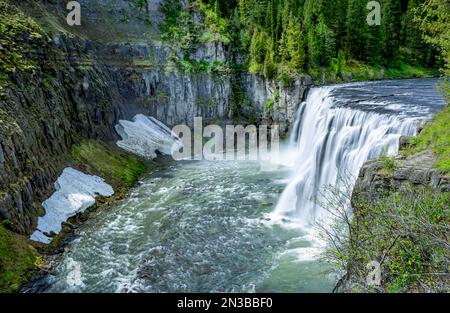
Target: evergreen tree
391 23
325 44
258 51
294 45
270 67
357 34
297 35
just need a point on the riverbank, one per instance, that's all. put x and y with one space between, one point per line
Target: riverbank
176 231
120 169
24 260
355 71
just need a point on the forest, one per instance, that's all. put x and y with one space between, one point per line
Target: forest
283 38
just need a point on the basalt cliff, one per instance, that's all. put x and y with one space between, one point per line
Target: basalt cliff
63 84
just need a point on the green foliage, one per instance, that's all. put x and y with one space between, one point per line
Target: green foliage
215 28
350 69
20 37
178 30
116 166
283 38
389 163
433 18
280 39
184 36
391 24
405 231
436 136
269 105
321 45
17 260
339 64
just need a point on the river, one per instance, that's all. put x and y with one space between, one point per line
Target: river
202 226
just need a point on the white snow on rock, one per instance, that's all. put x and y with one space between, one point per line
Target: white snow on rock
145 135
75 192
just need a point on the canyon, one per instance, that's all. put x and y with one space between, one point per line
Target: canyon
114 87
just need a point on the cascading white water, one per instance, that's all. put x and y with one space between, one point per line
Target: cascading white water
200 226
330 141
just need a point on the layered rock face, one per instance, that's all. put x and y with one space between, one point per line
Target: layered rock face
43 115
89 81
417 170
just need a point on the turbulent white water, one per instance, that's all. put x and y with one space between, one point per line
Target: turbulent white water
202 226
330 142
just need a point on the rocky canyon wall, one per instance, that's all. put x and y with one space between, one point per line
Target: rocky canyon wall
88 78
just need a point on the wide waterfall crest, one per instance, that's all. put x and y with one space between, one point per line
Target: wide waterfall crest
328 142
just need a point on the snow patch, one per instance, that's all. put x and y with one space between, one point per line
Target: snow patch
75 192
146 135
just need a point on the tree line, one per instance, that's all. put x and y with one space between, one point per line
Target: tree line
284 37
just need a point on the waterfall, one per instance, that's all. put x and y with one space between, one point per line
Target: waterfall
328 141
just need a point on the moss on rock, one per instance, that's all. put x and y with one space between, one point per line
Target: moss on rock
113 164
18 260
19 37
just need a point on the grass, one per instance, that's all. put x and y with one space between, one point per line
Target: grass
435 136
389 163
116 166
18 260
353 70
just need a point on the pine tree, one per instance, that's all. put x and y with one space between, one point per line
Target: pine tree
412 36
270 67
357 28
391 29
258 51
286 36
295 46
325 44
372 49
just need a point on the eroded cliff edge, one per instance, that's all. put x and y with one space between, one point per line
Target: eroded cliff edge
418 170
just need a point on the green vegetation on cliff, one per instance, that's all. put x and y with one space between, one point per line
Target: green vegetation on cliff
18 260
113 164
331 40
19 38
435 136
406 232
183 36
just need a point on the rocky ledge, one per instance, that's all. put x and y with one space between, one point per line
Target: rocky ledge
381 175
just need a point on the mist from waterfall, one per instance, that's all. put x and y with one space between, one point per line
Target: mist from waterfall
329 143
